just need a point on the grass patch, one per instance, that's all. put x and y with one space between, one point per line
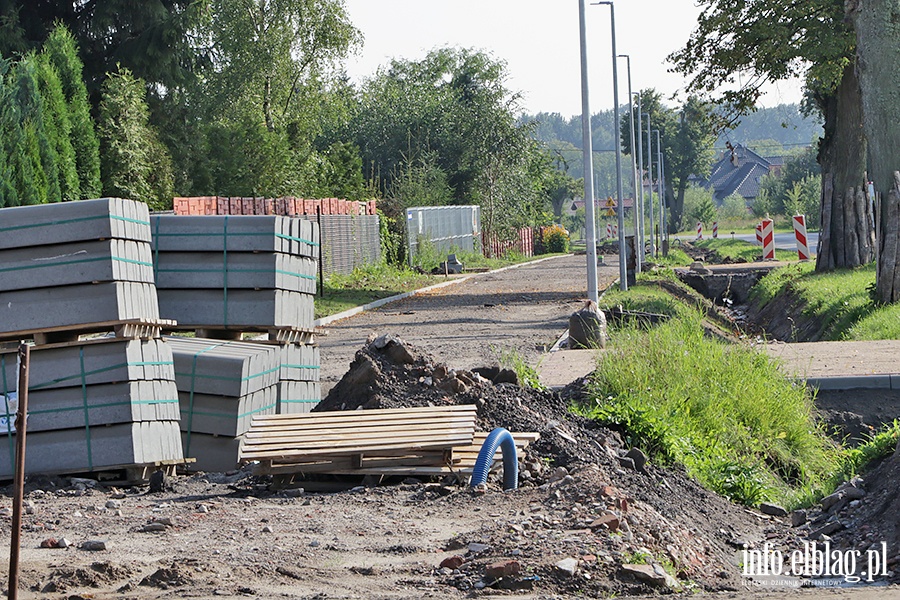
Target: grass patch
675 258
840 299
527 375
367 284
646 296
723 411
741 250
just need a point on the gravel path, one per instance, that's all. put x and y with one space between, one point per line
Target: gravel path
467 324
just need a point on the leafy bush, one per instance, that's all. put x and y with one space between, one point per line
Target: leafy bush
698 206
733 208
556 239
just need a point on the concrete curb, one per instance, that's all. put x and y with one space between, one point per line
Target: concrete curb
879 381
379 303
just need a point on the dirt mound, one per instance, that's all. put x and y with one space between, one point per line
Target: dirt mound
99 574
664 514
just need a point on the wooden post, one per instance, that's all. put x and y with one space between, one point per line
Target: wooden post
19 480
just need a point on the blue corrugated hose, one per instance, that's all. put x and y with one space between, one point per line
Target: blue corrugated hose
504 439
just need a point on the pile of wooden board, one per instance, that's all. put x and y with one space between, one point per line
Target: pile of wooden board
75 265
237 273
222 385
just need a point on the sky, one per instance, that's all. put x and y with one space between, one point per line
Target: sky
538 40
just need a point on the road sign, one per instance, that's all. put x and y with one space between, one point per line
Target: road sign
610 207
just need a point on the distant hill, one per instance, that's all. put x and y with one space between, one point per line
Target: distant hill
784 124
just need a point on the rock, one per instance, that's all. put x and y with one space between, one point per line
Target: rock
568 566
854 493
49 543
503 568
267 529
63 543
610 522
314 544
153 527
826 529
798 518
6 512
587 327
157 481
476 548
653 574
639 458
627 462
167 521
452 562
29 507
829 501
558 474
93 545
113 504
772 510
203 508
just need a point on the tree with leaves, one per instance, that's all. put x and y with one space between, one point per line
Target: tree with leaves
134 163
57 128
771 40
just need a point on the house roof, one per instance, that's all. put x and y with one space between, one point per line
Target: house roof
738 170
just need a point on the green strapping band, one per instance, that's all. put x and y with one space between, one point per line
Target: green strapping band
104 405
75 220
226 378
312 401
87 425
229 415
76 262
12 447
301 366
95 371
225 272
279 271
187 442
282 236
155 241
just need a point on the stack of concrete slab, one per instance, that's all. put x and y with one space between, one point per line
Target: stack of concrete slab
67 265
242 273
298 378
106 403
221 386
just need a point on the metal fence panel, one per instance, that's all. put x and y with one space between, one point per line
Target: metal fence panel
348 241
444 228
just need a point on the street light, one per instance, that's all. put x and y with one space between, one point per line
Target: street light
663 230
638 243
650 181
623 269
590 223
640 174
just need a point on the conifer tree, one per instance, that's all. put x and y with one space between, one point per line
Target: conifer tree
57 128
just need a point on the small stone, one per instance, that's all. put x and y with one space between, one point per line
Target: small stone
854 493
639 458
29 507
153 527
798 518
6 512
826 530
504 568
772 510
268 529
113 504
49 543
314 544
626 462
829 501
203 508
558 474
452 562
589 558
167 521
476 548
93 545
610 522
652 574
63 543
568 566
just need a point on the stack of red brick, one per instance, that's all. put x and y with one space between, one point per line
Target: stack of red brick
288 206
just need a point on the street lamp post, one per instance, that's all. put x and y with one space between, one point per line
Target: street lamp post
662 196
590 222
650 181
638 244
640 175
623 269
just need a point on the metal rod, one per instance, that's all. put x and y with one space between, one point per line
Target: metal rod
662 195
588 152
640 153
321 248
15 542
638 244
623 267
650 181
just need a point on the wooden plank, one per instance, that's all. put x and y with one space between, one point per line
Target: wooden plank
356 415
404 444
282 433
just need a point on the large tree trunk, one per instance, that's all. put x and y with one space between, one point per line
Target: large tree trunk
847 235
877 24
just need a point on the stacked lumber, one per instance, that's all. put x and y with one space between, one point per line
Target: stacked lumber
75 267
352 440
236 273
299 390
222 385
102 404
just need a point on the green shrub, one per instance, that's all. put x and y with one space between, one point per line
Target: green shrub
556 239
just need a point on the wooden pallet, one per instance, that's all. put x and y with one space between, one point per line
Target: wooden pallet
275 336
128 329
321 442
136 474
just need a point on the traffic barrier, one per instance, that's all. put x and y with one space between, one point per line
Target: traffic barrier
609 231
715 230
800 234
759 234
768 239
699 230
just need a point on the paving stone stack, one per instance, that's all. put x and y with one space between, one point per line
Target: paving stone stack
299 389
93 405
237 273
222 385
68 265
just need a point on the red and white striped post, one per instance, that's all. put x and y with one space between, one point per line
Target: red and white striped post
715 230
615 231
759 234
800 234
608 230
768 239
699 230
